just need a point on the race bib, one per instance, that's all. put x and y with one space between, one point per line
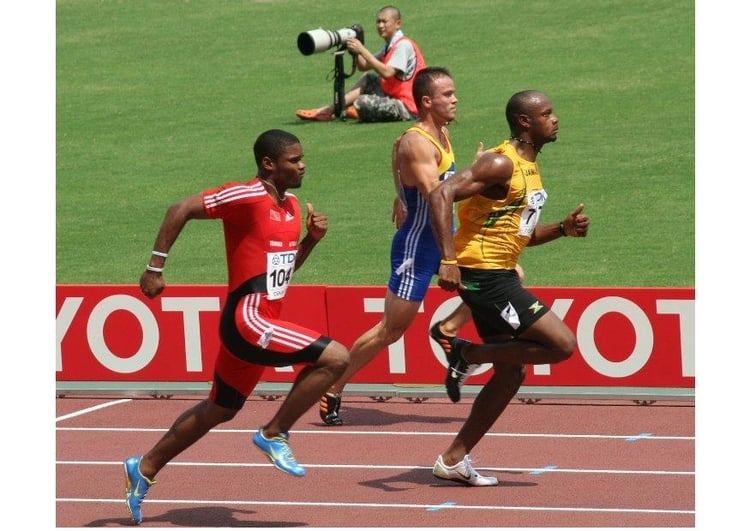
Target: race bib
279 269
532 212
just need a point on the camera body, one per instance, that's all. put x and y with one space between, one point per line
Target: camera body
320 40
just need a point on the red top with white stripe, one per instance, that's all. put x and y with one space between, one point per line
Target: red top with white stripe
260 236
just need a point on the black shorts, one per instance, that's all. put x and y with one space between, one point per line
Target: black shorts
500 305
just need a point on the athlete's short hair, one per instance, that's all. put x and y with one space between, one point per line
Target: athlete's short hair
521 103
272 144
424 82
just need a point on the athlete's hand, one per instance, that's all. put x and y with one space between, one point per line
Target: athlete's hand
449 278
480 151
399 212
576 223
317 223
152 284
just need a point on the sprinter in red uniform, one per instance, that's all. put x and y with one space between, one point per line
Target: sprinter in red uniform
262 226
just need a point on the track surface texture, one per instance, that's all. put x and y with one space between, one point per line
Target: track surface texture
561 463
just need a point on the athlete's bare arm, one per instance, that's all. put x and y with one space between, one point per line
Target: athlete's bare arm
152 283
418 161
489 175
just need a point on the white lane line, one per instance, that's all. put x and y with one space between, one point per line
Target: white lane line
90 409
152 501
628 437
398 467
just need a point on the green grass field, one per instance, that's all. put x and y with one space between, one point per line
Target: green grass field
159 99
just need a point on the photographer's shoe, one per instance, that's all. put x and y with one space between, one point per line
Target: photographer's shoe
352 112
314 114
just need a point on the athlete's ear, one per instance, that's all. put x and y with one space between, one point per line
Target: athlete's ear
268 163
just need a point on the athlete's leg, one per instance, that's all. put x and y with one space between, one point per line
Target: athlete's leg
311 382
190 426
547 340
397 317
451 324
488 405
234 380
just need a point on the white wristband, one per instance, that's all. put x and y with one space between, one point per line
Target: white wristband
159 253
153 269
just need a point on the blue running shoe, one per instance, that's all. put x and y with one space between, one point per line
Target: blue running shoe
278 451
136 486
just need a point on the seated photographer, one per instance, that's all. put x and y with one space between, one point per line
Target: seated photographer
384 93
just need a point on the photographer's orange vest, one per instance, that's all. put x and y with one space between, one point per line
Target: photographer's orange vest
396 88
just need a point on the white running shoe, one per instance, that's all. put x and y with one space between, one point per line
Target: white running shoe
462 472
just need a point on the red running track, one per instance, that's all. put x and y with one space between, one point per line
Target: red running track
561 463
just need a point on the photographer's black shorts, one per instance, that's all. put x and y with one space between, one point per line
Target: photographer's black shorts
499 304
372 85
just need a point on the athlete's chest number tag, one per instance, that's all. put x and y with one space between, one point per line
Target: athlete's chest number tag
279 273
532 212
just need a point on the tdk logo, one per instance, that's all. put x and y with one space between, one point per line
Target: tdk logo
284 258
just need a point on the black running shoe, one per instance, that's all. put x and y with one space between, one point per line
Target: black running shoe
458 369
445 342
329 409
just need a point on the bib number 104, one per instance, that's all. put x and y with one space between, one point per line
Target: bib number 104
280 268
